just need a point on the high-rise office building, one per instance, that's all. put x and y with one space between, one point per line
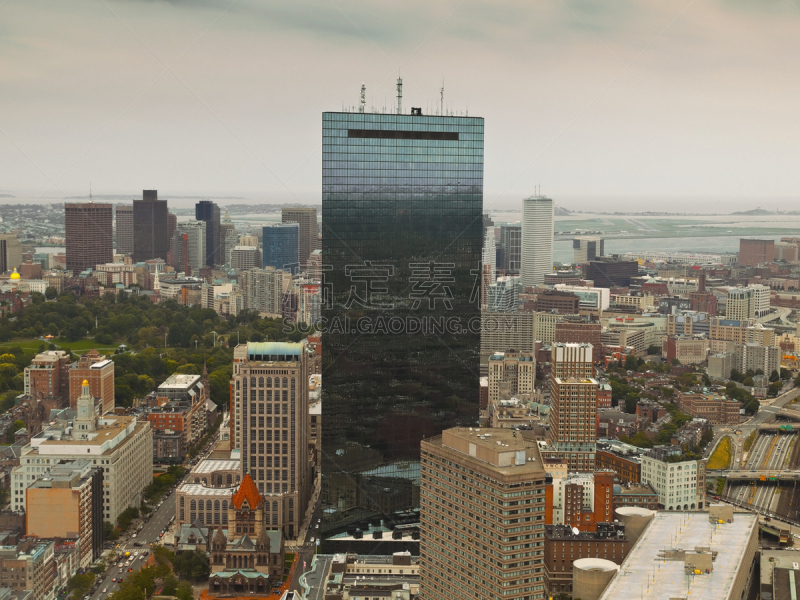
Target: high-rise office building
270 421
573 406
10 252
470 547
89 233
279 246
306 218
208 212
510 248
124 230
537 240
189 247
151 235
402 209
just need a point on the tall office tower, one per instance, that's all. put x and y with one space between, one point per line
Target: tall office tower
270 397
537 240
10 252
89 231
262 290
402 207
208 212
306 218
469 548
245 257
756 252
228 238
189 247
510 248
573 406
151 235
124 231
279 246
586 249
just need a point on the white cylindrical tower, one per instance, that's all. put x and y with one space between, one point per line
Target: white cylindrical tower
537 240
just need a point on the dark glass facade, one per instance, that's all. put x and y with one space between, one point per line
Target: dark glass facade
402 200
151 235
280 245
207 211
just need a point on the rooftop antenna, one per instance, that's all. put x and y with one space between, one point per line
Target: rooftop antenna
90 192
363 98
399 95
441 99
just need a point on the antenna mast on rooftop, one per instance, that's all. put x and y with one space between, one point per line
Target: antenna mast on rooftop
441 99
363 98
399 95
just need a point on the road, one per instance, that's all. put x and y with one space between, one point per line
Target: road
314 578
157 522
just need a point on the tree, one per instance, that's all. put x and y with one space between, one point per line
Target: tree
631 363
653 349
193 566
80 585
641 440
15 426
110 532
184 591
631 400
774 376
50 293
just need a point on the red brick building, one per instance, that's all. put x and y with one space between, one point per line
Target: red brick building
47 378
99 372
756 252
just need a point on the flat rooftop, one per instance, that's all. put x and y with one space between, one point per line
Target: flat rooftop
505 450
645 571
178 382
211 465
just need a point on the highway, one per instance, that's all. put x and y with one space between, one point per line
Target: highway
770 451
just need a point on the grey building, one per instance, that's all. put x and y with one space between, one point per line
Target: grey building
208 212
124 228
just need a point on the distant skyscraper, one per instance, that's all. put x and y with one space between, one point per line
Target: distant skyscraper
124 214
207 211
537 240
189 247
510 248
306 218
89 233
279 245
586 249
10 252
151 235
402 209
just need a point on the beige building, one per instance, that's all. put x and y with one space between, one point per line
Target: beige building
120 445
740 332
205 496
544 326
61 505
715 408
271 396
511 374
482 546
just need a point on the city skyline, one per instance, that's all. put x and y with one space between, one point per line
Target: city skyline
622 104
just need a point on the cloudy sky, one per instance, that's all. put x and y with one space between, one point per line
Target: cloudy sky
692 104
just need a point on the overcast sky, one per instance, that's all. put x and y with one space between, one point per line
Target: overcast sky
599 102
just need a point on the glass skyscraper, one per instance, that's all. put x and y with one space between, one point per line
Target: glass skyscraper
402 199
280 243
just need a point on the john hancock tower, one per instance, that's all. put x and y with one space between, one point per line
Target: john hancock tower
402 201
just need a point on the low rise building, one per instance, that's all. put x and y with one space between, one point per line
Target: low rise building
393 577
688 349
716 408
624 459
29 566
580 500
631 494
680 482
204 497
712 558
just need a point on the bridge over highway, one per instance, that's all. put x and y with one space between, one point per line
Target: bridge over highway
763 475
789 413
779 428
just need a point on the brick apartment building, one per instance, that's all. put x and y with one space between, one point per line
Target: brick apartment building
562 547
577 330
47 378
716 408
756 252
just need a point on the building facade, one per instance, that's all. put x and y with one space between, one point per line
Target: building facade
208 212
756 252
189 253
89 234
715 408
478 547
680 485
47 378
402 249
